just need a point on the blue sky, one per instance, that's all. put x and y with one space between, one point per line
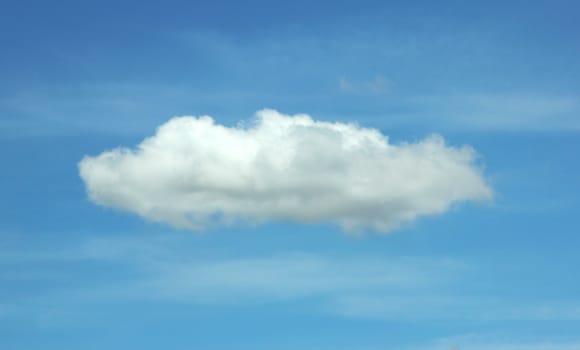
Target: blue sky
81 78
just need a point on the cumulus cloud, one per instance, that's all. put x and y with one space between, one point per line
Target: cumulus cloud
194 172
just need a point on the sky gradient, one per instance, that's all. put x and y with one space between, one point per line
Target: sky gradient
81 78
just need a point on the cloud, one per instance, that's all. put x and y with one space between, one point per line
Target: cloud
447 305
485 341
194 172
288 277
376 86
513 112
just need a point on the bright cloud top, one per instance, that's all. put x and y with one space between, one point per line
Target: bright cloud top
194 172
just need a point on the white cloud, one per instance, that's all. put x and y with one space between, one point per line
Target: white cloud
194 172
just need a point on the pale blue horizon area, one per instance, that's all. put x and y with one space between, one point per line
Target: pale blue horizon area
79 78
